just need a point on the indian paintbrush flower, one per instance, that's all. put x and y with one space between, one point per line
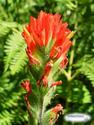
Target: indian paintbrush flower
46 35
48 41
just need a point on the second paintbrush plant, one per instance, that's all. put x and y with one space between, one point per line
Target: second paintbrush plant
48 41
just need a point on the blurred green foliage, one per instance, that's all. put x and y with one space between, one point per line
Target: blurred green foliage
77 91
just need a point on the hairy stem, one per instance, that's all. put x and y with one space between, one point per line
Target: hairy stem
41 111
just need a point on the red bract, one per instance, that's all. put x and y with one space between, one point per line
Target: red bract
64 62
45 74
57 108
48 32
56 83
27 86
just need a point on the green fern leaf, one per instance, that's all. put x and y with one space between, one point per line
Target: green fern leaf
15 58
86 67
5 27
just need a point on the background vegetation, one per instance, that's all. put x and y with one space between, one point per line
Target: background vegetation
77 91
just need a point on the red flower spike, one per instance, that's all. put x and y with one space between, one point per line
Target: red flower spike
56 83
47 31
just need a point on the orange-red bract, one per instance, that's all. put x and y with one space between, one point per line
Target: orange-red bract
27 86
57 108
47 30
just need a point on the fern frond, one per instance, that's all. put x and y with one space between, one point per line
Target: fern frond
15 58
3 30
86 67
5 27
10 102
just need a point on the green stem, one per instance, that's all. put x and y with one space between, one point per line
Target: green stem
71 61
41 111
63 71
75 74
69 73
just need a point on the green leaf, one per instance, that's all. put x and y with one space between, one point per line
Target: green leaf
15 58
86 67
